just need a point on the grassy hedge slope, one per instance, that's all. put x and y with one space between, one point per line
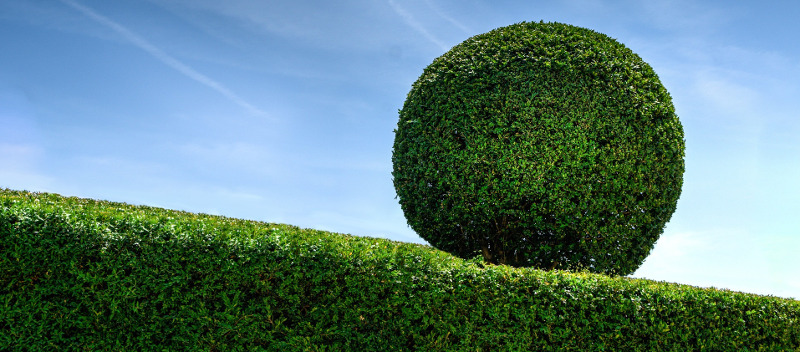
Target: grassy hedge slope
80 274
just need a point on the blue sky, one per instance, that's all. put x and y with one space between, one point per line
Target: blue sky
283 111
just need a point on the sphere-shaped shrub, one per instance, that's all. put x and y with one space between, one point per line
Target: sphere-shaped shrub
543 145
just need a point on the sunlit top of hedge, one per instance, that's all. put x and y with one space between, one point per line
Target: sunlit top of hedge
119 220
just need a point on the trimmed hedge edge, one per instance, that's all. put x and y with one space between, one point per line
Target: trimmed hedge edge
82 274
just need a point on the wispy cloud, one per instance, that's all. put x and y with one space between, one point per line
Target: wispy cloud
413 23
165 58
447 17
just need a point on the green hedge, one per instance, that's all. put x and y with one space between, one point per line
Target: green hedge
79 274
540 145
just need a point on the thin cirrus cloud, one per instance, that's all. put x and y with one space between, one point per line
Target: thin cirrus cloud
165 58
413 23
447 18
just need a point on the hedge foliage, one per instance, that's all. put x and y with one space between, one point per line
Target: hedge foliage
540 144
79 274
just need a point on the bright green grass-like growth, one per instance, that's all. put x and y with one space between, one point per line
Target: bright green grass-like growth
85 275
543 145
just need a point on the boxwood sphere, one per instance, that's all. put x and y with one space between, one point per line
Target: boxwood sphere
543 145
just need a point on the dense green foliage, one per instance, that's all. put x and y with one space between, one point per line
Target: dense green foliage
79 274
540 144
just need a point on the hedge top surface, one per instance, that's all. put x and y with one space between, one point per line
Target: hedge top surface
540 144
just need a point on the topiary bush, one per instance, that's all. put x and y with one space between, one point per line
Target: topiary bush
543 145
